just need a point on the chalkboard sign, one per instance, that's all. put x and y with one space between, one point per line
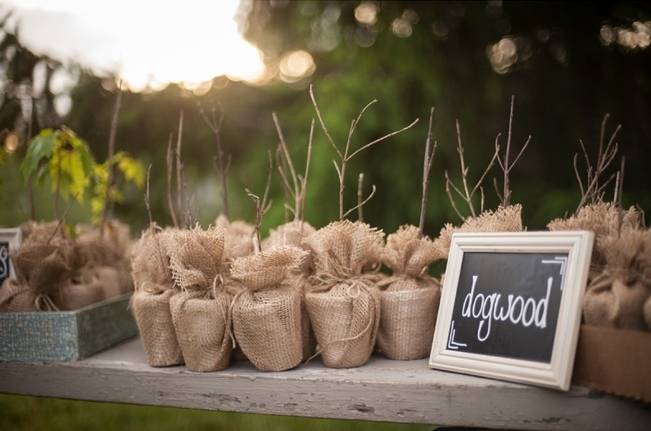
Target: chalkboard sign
511 305
9 240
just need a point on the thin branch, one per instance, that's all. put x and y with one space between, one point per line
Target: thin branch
147 202
505 163
383 138
170 169
214 123
179 166
449 193
261 206
428 157
283 146
323 126
307 171
111 152
360 191
361 204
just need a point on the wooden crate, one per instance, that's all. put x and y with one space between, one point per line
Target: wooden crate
65 335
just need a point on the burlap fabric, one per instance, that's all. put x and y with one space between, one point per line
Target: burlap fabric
151 301
605 220
267 312
294 233
616 296
201 312
43 264
238 237
103 258
503 219
343 300
411 298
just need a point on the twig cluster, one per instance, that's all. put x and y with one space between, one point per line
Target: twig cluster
347 154
294 184
464 191
593 186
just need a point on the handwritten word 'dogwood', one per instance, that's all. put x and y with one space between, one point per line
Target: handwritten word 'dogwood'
517 310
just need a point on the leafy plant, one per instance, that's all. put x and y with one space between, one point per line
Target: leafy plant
64 158
132 172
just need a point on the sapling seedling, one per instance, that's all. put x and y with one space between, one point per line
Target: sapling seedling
348 153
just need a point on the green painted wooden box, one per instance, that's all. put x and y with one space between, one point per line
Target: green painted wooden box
65 335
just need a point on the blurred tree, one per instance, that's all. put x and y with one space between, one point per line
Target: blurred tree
567 63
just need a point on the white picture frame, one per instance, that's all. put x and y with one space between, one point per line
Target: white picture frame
558 372
13 237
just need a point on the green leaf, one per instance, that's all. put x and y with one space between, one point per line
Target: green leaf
40 148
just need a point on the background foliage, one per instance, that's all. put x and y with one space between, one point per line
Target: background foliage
564 78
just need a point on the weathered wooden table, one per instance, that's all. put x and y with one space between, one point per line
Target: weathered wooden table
383 390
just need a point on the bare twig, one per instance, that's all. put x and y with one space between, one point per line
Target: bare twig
505 163
428 158
179 167
261 207
214 123
147 201
347 155
170 170
111 152
361 203
468 193
360 197
30 185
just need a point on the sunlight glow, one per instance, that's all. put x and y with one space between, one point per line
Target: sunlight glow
148 44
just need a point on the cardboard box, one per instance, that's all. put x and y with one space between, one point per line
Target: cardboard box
65 335
616 361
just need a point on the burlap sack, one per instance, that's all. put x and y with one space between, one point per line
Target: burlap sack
16 296
411 298
43 264
343 301
112 281
73 295
201 312
267 313
238 237
503 219
151 301
294 233
616 297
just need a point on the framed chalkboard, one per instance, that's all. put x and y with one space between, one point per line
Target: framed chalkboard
10 240
511 305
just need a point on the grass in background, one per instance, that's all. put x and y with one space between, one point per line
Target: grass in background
33 414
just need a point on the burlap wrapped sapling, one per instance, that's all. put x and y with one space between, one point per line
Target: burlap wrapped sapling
200 313
267 312
293 233
43 264
101 256
411 297
343 301
616 296
151 301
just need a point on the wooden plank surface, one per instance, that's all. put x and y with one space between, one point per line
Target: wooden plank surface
383 390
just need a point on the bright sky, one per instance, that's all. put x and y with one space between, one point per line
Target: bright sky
146 42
